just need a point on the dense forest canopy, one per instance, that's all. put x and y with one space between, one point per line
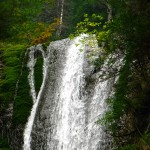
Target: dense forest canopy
121 27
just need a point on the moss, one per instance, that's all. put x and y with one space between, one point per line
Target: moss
4 144
11 58
38 73
23 101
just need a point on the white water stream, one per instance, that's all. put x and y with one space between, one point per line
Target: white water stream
70 103
31 64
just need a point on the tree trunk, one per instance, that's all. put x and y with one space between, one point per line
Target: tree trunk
60 12
109 11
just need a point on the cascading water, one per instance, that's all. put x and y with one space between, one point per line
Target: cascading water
31 64
69 103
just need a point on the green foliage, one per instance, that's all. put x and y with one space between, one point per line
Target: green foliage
90 24
23 101
88 7
74 11
4 144
21 17
11 57
128 147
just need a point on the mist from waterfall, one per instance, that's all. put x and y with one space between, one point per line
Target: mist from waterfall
70 112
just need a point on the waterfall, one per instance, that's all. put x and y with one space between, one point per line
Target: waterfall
70 101
31 64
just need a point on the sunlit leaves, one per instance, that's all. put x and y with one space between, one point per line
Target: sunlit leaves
89 24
